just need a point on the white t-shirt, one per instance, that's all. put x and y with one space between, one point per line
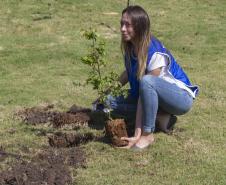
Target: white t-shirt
159 60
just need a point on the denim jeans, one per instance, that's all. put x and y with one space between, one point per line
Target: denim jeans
155 93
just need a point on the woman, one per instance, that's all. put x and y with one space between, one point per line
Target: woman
158 84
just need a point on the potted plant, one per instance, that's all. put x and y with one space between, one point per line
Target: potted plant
104 84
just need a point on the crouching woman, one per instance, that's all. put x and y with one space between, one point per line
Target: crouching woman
159 88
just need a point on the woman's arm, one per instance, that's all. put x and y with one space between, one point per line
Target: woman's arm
133 140
123 79
138 125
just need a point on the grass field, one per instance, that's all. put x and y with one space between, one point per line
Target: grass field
40 51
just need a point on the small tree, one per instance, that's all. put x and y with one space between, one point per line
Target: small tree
105 84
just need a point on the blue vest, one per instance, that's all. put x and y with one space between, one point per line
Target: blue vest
156 47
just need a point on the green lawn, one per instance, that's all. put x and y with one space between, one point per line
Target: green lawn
40 50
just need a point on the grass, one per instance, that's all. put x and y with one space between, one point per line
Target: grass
40 50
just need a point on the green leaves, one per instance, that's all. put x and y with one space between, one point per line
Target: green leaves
90 34
104 84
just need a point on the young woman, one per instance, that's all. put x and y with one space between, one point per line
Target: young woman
157 83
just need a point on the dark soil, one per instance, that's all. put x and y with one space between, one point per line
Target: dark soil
4 155
75 109
115 129
48 167
53 166
60 139
76 117
75 121
36 115
98 120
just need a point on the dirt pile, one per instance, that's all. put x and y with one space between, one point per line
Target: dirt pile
60 139
3 154
75 118
75 121
36 115
49 167
53 166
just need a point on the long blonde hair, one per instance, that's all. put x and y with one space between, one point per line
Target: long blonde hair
141 25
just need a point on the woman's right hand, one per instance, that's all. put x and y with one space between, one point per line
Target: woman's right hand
131 141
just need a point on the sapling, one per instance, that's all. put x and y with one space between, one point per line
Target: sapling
104 84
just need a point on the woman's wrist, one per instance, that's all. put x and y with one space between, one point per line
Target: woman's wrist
137 133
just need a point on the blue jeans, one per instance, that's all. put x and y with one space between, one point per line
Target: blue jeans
155 93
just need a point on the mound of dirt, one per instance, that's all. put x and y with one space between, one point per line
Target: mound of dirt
73 156
75 118
36 115
4 155
98 120
75 121
60 139
48 167
26 173
75 109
